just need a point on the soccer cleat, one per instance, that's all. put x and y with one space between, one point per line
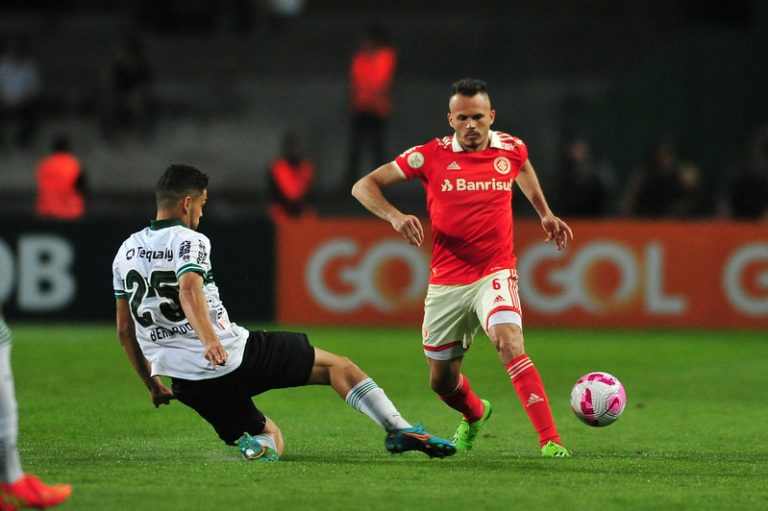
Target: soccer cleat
416 439
252 450
553 450
465 435
30 492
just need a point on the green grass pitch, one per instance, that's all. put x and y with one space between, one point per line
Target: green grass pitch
693 435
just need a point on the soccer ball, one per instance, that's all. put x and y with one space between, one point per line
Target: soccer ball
598 399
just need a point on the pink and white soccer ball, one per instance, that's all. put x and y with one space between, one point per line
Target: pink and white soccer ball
598 399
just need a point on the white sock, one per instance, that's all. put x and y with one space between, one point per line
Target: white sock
10 464
266 440
368 398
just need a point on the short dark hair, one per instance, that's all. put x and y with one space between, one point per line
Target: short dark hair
177 182
469 87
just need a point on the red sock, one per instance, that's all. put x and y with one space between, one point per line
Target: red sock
530 389
465 401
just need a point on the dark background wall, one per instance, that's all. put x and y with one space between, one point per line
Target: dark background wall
62 271
229 80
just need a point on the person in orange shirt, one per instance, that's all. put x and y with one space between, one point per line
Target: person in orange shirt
291 175
371 75
61 183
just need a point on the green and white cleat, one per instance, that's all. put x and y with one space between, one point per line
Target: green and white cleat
553 450
252 450
416 439
465 435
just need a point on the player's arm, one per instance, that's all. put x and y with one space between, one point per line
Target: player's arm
160 394
195 307
555 228
368 191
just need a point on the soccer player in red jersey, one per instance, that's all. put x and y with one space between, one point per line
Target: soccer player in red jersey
473 283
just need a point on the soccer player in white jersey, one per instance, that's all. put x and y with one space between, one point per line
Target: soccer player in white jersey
172 323
468 179
18 490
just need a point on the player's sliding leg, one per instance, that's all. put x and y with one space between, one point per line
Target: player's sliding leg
18 490
234 417
361 393
508 340
455 390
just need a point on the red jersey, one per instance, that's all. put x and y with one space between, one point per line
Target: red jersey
469 199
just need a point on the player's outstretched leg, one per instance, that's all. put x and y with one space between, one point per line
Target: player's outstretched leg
364 395
508 340
416 439
530 389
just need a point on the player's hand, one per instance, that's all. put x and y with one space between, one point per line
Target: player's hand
215 354
409 228
160 394
556 230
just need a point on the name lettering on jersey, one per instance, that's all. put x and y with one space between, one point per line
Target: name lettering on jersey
502 165
160 332
463 185
149 255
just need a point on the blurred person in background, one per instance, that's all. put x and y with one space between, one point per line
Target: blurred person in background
130 107
586 185
18 490
469 179
745 192
664 186
20 93
290 177
371 78
281 14
61 183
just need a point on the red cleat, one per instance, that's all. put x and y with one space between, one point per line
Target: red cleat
30 492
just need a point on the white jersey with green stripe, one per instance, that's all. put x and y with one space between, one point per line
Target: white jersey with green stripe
146 272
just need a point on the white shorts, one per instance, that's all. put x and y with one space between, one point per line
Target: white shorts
454 314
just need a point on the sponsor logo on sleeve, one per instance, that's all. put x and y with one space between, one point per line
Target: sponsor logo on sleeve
415 160
185 250
202 254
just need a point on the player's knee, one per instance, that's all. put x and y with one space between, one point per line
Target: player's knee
345 369
509 343
344 364
442 385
